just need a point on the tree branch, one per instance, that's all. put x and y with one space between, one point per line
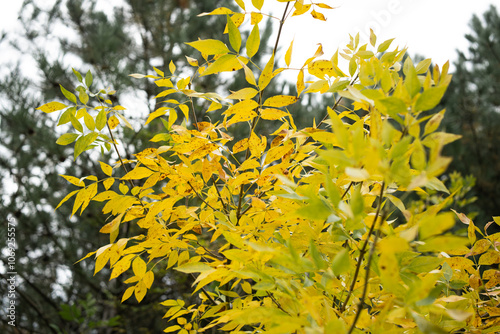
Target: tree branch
363 249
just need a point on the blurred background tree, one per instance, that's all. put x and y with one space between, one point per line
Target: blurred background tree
473 111
53 294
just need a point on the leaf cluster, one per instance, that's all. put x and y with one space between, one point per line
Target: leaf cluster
292 232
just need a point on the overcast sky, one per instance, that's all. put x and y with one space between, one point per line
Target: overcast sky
432 28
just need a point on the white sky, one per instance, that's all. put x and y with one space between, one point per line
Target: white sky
432 28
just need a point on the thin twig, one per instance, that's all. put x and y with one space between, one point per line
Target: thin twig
206 293
367 276
363 249
282 22
198 195
219 195
276 302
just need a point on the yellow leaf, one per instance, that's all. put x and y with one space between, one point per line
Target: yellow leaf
256 145
165 82
243 94
240 3
137 173
107 169
218 11
253 42
278 101
325 6
288 54
249 163
389 271
73 180
318 15
105 195
460 263
247 288
258 4
490 257
357 174
113 122
68 196
192 62
321 68
209 46
240 146
87 195
140 291
101 259
255 18
433 225
225 63
108 182
111 226
171 67
243 106
202 151
267 74
86 256
127 293
249 77
185 110
300 82
300 9
214 106
242 116
277 152
272 114
157 113
51 107
121 266
148 279
139 267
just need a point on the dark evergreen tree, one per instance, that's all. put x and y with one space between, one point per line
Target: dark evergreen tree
53 294
473 111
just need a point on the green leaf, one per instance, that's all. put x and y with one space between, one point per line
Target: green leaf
253 41
423 66
234 35
209 46
76 123
385 45
430 98
393 106
412 83
224 63
88 79
195 267
100 121
340 263
424 264
78 75
67 138
84 142
258 4
70 96
427 327
83 97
